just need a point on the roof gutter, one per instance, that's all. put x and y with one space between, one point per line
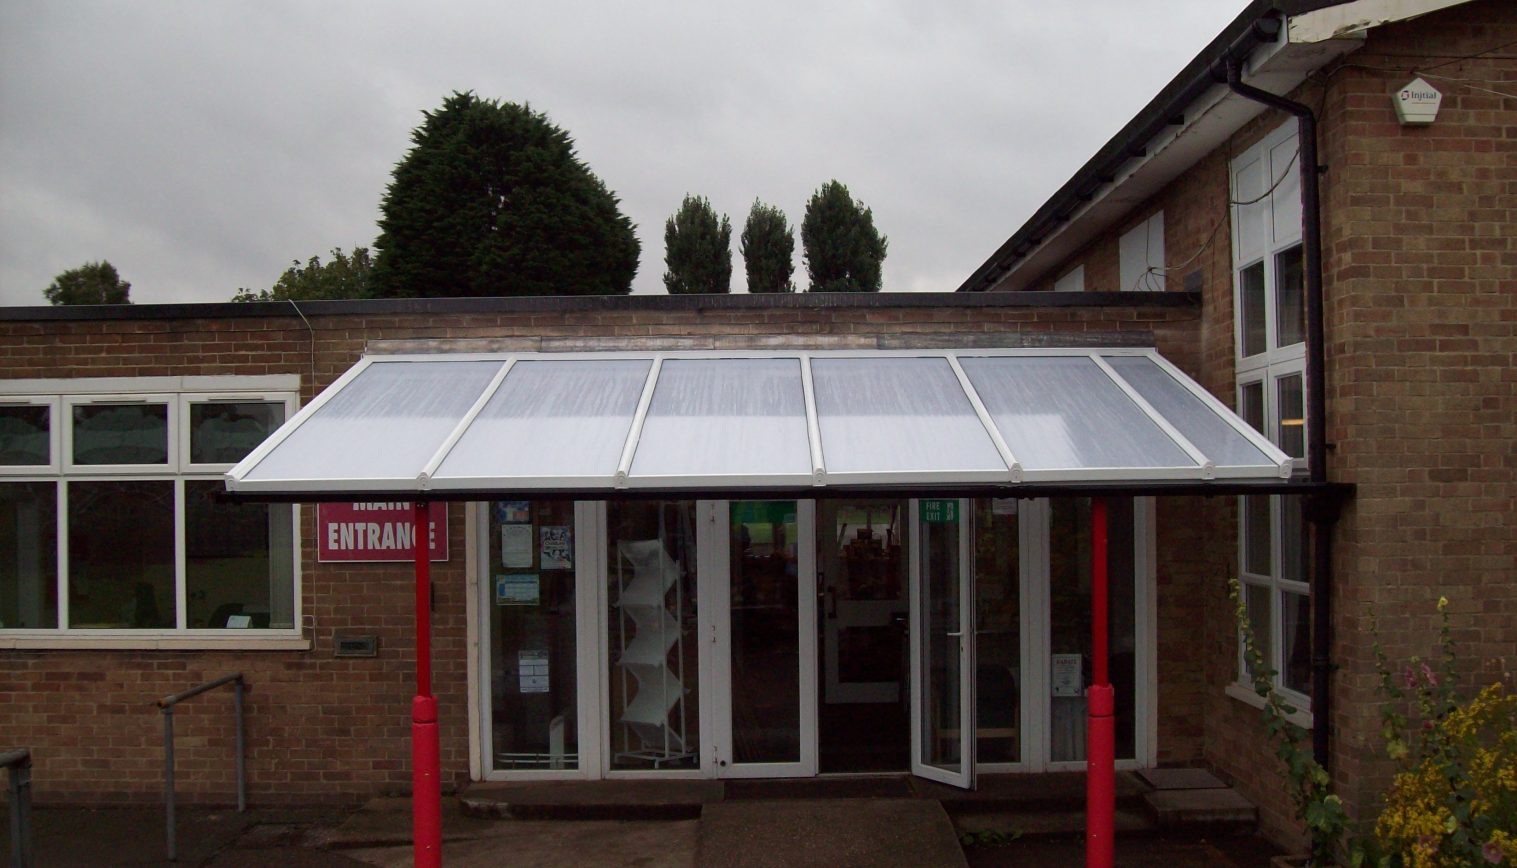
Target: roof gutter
1257 26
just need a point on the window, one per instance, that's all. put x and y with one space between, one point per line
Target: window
1269 301
1072 281
111 519
1140 254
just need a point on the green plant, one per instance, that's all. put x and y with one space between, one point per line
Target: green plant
1453 800
1310 786
985 838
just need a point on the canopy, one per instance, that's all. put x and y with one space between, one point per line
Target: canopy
701 421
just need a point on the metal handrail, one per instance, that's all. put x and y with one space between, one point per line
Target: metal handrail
19 763
167 704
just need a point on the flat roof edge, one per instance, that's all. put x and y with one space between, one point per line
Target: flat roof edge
593 304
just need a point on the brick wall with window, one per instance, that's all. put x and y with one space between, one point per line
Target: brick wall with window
327 728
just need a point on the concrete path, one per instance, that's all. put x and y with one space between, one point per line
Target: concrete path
836 833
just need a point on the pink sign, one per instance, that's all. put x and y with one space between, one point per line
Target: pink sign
376 532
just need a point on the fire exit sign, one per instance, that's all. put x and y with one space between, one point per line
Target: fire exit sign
938 511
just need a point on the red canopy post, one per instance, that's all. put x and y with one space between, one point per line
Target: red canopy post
1100 747
426 778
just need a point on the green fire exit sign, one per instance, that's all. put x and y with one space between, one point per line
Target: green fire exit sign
939 511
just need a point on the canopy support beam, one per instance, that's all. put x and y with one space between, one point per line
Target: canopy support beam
1100 747
426 778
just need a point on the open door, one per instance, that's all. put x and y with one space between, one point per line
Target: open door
942 643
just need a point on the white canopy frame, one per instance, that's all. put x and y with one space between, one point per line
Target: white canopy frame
924 412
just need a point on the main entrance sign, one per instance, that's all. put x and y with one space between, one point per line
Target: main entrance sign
375 532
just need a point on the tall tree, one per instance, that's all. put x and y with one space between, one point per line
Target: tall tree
697 249
843 249
492 200
344 276
768 249
91 283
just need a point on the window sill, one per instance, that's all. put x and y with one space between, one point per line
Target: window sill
75 642
1301 717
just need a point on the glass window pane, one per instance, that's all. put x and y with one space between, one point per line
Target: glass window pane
1070 560
941 662
121 554
121 434
534 700
1256 553
1065 412
224 432
385 424
1290 298
24 439
1293 546
28 555
725 417
766 660
896 414
998 623
563 418
1251 406
654 675
239 561
1296 641
1214 436
1292 433
1256 603
1251 308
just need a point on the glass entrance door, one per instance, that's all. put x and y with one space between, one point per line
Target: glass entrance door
942 644
763 616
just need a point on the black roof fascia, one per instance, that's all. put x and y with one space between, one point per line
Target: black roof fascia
591 304
1238 39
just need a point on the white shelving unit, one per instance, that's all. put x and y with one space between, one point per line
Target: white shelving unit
643 605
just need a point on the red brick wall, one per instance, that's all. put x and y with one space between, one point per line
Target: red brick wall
321 728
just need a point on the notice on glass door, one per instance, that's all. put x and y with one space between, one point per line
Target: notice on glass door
516 545
1065 674
532 669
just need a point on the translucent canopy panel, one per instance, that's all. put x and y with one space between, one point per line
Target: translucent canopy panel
383 425
1208 431
1064 412
892 415
725 417
550 419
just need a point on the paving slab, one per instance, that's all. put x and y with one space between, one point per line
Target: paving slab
591 800
841 833
1197 807
1181 779
555 843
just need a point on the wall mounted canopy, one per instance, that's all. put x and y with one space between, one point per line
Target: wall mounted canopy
755 420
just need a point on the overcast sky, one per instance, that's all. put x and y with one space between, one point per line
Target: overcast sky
201 146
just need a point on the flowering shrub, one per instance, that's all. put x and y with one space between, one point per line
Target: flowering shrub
1453 801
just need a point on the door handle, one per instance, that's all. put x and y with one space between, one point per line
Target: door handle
955 635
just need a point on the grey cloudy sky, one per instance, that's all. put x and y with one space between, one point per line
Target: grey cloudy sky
201 146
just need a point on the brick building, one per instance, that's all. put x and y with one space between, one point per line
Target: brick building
125 579
1201 192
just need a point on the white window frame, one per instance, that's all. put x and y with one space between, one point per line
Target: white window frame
1275 219
1146 275
177 393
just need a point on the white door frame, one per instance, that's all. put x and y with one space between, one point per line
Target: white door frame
920 679
716 611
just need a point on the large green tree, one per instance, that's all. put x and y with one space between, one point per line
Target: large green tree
492 200
91 283
343 276
843 249
768 249
697 249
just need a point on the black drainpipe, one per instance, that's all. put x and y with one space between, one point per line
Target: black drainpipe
1321 510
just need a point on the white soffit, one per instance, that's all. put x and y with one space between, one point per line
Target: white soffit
1351 20
755 420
